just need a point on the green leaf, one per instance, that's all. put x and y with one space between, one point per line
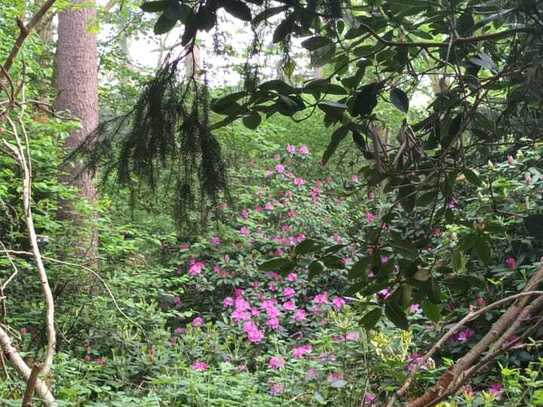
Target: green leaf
432 311
280 263
359 270
337 137
331 107
314 43
364 101
534 225
279 86
267 13
464 283
163 24
399 99
472 176
307 246
396 315
178 12
252 120
315 267
333 261
283 29
238 9
155 6
369 320
223 104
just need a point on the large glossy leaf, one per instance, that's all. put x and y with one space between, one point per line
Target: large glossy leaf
534 225
316 42
396 315
369 320
155 6
237 8
399 99
267 13
283 29
365 100
164 24
337 137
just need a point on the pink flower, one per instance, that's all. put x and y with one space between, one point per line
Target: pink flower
184 246
338 303
292 277
273 323
179 331
288 292
276 389
298 182
199 366
510 263
384 293
292 213
352 336
244 214
369 399
289 305
354 178
303 150
321 298
276 362
464 335
298 352
280 168
228 302
197 322
254 334
415 309
196 267
384 259
244 231
268 206
291 149
370 217
299 315
279 252
496 390
268 173
215 241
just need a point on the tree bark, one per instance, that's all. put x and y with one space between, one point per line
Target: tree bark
77 86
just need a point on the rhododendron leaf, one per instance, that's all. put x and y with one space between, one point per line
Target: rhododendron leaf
483 249
472 176
334 249
369 320
155 6
395 314
534 225
307 246
432 311
359 270
399 99
252 120
464 283
337 137
316 267
333 261
281 263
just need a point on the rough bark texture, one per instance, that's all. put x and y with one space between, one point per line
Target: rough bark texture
77 86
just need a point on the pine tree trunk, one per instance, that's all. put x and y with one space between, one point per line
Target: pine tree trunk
77 86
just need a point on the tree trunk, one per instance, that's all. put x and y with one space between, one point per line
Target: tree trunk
77 86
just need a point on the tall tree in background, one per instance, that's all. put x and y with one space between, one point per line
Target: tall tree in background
77 86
